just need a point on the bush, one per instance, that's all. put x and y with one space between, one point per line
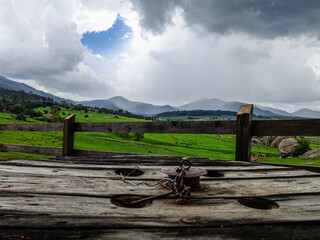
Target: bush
302 147
17 109
138 136
56 118
124 136
33 114
21 117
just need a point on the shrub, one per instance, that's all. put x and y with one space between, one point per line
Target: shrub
124 136
138 136
17 109
33 114
56 118
21 117
302 147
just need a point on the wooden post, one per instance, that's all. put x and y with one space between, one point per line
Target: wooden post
68 135
243 133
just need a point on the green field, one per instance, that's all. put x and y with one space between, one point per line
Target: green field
206 145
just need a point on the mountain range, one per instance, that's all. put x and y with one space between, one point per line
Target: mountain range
147 109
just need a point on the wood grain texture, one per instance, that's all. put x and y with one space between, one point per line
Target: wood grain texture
201 127
71 197
310 230
51 151
305 127
243 132
34 127
68 135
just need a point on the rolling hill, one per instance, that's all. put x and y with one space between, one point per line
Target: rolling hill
16 86
118 102
217 104
147 109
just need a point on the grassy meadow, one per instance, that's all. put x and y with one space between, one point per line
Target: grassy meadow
205 145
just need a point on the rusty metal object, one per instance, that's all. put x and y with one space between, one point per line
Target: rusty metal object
181 179
191 176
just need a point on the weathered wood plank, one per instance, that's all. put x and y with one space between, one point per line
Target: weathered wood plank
305 127
203 127
67 164
51 151
51 181
93 153
68 135
149 173
243 132
294 231
152 159
34 127
41 211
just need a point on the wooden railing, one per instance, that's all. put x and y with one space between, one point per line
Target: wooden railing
244 128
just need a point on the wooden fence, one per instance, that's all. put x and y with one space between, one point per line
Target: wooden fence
244 128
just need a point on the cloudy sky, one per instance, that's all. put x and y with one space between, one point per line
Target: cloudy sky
166 51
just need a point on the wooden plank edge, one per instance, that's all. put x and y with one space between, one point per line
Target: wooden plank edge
200 127
51 151
309 168
34 127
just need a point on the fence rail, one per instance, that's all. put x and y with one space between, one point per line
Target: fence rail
244 128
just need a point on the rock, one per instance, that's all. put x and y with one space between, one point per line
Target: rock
39 118
267 140
48 117
287 146
256 141
275 143
311 154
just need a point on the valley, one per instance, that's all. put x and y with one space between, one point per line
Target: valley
206 145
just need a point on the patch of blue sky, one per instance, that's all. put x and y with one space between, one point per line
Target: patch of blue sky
110 42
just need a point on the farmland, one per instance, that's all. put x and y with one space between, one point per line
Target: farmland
205 145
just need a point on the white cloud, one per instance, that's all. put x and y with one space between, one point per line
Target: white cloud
180 65
183 61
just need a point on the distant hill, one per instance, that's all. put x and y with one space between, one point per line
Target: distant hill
274 110
306 112
217 104
16 86
118 102
147 109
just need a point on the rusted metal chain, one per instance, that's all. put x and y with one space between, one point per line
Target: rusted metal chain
178 187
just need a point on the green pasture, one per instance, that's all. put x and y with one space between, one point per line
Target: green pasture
200 145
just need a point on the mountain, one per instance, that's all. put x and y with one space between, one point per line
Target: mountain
118 102
217 104
16 86
274 110
100 104
306 112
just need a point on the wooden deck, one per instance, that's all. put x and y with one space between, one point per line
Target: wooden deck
70 198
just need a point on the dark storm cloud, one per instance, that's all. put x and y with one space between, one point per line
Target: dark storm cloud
156 14
261 18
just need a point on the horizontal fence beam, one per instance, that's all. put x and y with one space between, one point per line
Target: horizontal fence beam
51 151
303 127
199 127
34 127
93 153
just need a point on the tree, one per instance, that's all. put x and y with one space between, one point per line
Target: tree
55 111
17 109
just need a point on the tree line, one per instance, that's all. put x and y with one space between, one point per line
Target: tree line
23 104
